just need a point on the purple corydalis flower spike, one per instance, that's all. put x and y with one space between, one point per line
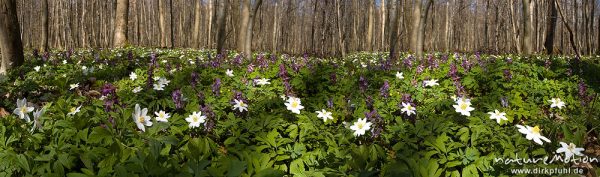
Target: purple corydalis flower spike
330 103
362 84
177 99
194 80
216 88
385 89
504 101
507 75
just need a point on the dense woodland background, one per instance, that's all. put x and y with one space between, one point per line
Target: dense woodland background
325 27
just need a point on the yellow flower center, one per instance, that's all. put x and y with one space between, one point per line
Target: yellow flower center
360 125
536 130
141 119
409 107
195 118
463 106
23 109
73 109
294 104
161 115
571 147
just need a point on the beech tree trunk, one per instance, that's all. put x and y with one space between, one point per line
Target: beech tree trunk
162 24
221 13
249 28
120 36
244 19
44 37
527 28
550 28
10 37
421 9
196 33
370 26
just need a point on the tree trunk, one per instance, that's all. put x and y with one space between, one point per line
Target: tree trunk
248 40
383 15
120 38
10 36
550 28
196 32
571 35
44 38
421 8
244 18
221 13
370 26
527 28
394 24
338 7
162 24
514 28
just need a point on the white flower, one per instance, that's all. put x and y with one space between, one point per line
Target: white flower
262 81
431 83
37 68
162 116
569 150
556 102
293 104
164 61
533 133
74 86
360 126
163 81
195 119
22 110
463 106
409 109
74 111
102 97
240 105
156 78
324 115
282 97
158 86
399 75
84 68
137 89
36 119
64 62
229 73
141 118
133 76
499 116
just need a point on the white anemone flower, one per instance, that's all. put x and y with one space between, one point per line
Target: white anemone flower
361 126
36 119
74 110
556 102
408 109
37 68
294 104
162 116
137 89
195 119
499 116
399 75
73 86
240 105
229 73
141 118
324 114
570 150
22 110
157 86
431 83
463 106
133 76
533 133
263 81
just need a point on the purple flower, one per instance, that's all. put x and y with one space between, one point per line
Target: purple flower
466 65
237 60
504 101
369 102
153 60
177 99
150 80
250 68
362 84
408 61
509 60
46 56
330 103
583 93
407 98
109 92
547 63
216 87
210 123
507 74
384 91
194 80
333 78
420 69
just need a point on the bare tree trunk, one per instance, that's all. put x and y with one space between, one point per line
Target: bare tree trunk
275 28
196 33
514 24
526 44
162 24
248 40
10 37
172 34
244 18
421 9
394 24
571 36
341 44
550 28
221 13
120 38
383 15
44 38
370 26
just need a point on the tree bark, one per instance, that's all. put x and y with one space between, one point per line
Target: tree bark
421 9
120 38
394 24
341 43
221 13
370 26
196 33
44 38
383 15
244 18
10 37
250 26
527 28
162 24
550 28
571 35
